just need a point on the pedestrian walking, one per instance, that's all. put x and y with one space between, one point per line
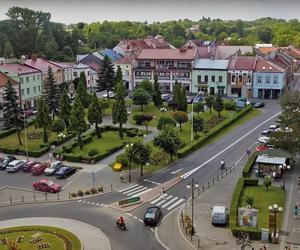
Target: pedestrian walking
265 248
163 193
122 177
296 211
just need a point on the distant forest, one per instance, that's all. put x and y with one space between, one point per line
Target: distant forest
26 32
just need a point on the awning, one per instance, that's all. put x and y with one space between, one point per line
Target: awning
266 159
276 152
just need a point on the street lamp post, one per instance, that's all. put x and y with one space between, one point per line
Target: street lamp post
163 110
25 130
61 136
192 186
283 168
192 118
129 163
275 209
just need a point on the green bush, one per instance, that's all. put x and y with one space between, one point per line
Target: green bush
87 139
164 121
235 200
248 167
38 153
7 132
250 181
85 159
72 158
253 232
229 105
80 193
93 152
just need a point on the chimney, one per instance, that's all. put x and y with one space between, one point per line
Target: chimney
182 50
33 57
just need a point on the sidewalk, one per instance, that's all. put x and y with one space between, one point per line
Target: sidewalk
91 237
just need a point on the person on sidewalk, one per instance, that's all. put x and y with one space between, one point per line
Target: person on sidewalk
163 193
296 211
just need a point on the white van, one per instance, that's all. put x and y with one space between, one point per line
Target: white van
219 215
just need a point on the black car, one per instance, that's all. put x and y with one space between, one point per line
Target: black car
6 160
65 171
259 105
152 216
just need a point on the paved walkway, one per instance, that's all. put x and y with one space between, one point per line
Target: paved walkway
91 238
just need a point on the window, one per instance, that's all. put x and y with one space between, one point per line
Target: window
21 79
232 78
213 78
205 79
28 91
33 78
34 89
22 91
275 80
127 72
75 74
88 73
38 77
259 79
39 88
220 79
27 78
199 79
268 79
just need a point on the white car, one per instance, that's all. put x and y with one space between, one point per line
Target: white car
53 168
264 139
110 93
273 127
15 166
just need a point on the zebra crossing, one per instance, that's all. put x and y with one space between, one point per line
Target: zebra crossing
92 203
165 200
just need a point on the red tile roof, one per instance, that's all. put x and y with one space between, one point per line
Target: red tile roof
19 68
41 64
280 62
125 60
93 66
167 54
4 79
263 65
242 63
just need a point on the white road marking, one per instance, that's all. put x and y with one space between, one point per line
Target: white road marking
83 202
79 201
93 203
176 171
137 191
169 202
152 229
135 217
175 204
133 189
122 190
97 204
156 200
163 201
187 174
141 221
88 202
145 191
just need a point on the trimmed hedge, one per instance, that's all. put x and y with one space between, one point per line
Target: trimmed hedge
253 232
196 144
250 182
248 167
7 132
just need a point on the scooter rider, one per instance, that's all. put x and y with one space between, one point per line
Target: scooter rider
222 164
121 221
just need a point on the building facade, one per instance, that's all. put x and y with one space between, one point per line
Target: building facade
170 65
126 65
210 76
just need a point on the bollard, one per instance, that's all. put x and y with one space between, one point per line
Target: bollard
22 198
222 175
69 195
57 196
208 184
111 187
203 188
10 200
226 172
198 190
46 196
34 197
199 243
217 177
213 181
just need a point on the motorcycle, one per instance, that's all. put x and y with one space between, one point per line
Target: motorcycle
121 226
223 165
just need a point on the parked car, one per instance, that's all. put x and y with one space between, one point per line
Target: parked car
266 132
167 97
264 139
46 186
152 216
7 159
15 166
262 148
259 105
38 169
65 171
189 99
198 98
28 165
110 93
241 102
54 166
219 215
273 127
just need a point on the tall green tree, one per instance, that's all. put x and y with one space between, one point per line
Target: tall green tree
12 112
82 79
119 111
58 126
119 75
156 93
95 114
147 86
168 140
198 124
140 97
180 97
141 154
180 117
198 107
106 76
83 94
42 119
65 108
218 104
77 121
209 101
51 93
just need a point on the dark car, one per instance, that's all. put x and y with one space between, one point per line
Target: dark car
6 160
152 216
65 171
28 165
38 169
259 105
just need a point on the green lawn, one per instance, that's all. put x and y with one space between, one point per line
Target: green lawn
109 140
262 200
11 141
42 232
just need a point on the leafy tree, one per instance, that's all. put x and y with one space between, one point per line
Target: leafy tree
119 111
140 154
8 50
58 126
11 109
165 121
181 117
198 107
249 200
218 104
209 101
119 75
104 105
77 121
168 140
156 93
147 86
140 97
82 79
51 93
198 124
265 34
106 76
95 114
42 119
65 108
83 94
180 97
267 182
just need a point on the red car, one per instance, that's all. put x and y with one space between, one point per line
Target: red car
38 169
261 148
28 165
45 185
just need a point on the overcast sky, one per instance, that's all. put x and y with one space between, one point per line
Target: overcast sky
72 11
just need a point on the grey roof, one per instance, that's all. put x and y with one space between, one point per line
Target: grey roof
211 64
224 52
81 66
276 152
270 159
